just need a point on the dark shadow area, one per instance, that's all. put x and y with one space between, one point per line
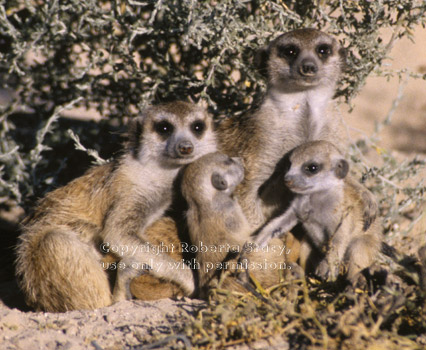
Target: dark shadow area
60 164
10 294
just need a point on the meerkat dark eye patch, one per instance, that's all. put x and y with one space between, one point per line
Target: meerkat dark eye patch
341 169
198 127
311 168
288 51
324 50
135 135
164 128
219 182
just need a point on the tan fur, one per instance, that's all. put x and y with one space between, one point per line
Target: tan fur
149 287
218 227
331 212
111 206
295 109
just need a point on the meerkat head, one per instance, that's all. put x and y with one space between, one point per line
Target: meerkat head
210 174
173 134
301 60
315 166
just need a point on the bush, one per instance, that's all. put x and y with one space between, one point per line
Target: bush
116 57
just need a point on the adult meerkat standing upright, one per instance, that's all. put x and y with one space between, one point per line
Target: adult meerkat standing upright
329 209
58 254
303 67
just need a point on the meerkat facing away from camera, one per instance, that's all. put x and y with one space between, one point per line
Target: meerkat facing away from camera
58 259
217 225
303 67
329 209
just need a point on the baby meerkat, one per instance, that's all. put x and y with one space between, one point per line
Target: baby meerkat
329 209
303 67
58 259
216 223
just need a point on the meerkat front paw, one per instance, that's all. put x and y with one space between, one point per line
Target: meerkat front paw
303 215
323 270
124 278
304 209
328 270
371 209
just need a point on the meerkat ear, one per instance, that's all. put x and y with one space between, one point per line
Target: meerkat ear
341 169
134 134
261 60
219 182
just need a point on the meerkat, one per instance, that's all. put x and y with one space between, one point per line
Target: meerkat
330 210
58 259
217 225
303 67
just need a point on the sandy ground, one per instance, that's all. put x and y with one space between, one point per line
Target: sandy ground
121 326
129 323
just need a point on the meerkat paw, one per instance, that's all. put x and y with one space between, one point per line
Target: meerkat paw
327 271
294 272
306 210
323 270
243 261
124 278
371 209
358 281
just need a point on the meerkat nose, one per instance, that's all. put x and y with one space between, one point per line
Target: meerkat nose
308 68
185 148
288 181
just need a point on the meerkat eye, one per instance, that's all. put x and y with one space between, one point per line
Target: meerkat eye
288 51
324 50
163 128
228 161
311 168
198 127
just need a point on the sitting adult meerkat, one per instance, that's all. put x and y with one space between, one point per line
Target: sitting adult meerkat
330 210
303 67
218 228
58 259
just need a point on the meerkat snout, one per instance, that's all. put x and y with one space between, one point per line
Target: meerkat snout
308 68
288 181
184 148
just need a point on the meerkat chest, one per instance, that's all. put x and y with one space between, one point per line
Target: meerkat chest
323 209
301 116
149 187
